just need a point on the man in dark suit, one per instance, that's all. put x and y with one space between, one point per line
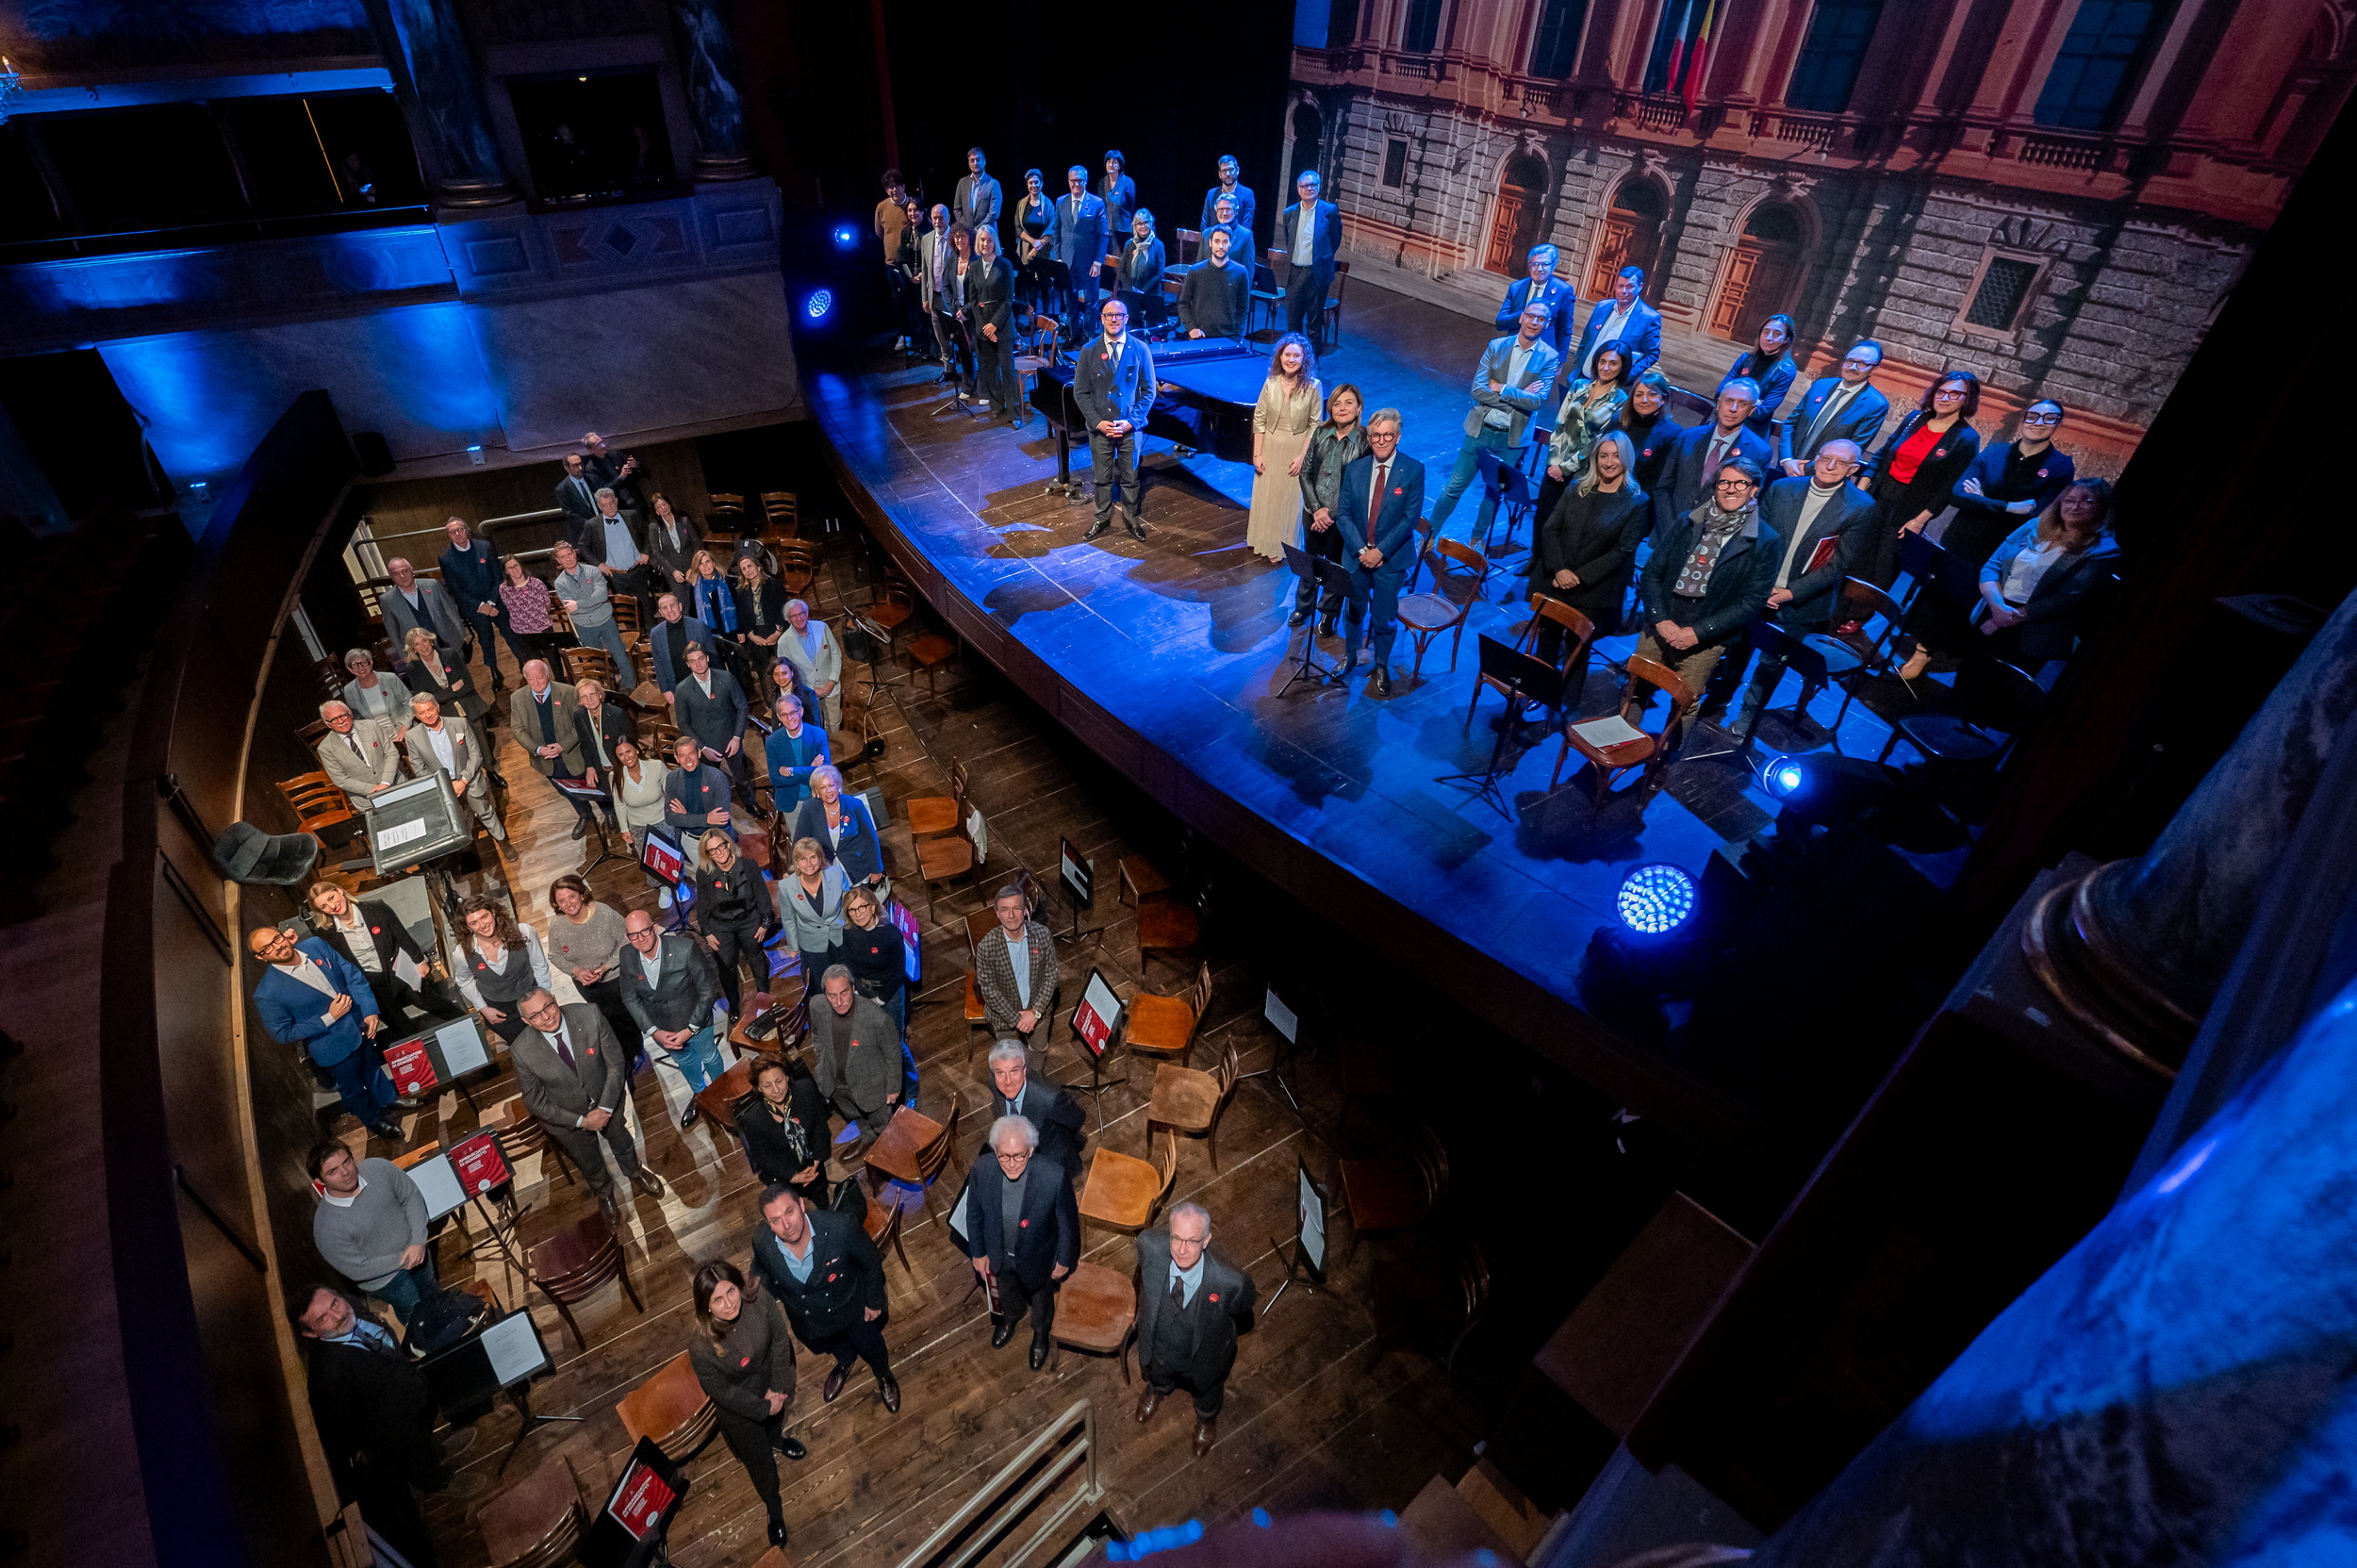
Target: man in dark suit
1080 240
375 1417
976 200
1846 406
576 497
312 996
669 986
829 1278
668 640
1378 508
573 1076
471 572
1022 1231
1823 519
1625 318
613 470
1552 291
1190 1308
710 705
1709 573
1693 462
990 313
1055 1113
1311 232
544 716
1113 384
412 601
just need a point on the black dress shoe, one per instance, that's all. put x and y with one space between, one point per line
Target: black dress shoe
1330 626
1098 530
1137 529
833 1385
581 828
404 1102
387 1130
1002 1330
777 1532
1039 1351
610 1206
1379 683
792 1449
888 1390
687 1117
1299 618
647 1181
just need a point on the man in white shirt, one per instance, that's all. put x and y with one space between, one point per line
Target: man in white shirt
1311 232
445 743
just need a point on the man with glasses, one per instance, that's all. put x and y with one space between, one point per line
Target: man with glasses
1695 457
1190 1308
1846 406
573 1075
1080 237
1022 1230
1827 524
1710 572
669 986
360 756
1113 384
1380 502
312 996
1309 232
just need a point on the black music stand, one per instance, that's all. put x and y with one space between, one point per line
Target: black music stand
503 1356
961 397
1335 579
1526 678
581 789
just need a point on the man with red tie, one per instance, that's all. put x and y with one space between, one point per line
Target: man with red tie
574 1077
1381 500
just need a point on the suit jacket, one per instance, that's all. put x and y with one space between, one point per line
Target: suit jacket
385 933
1241 196
668 642
592 541
1773 387
1846 519
1524 395
699 792
810 668
1597 538
422 682
666 559
1222 1309
860 853
1055 1113
1109 390
1080 229
562 1095
714 720
295 1014
855 1054
743 888
791 758
1987 511
370 1403
2049 624
1329 238
1860 420
1562 301
1048 1226
605 474
466 754
1684 484
846 1279
994 975
1141 271
379 762
394 693
976 201
523 719
1394 525
613 722
1738 585
1643 335
434 611
990 299
931 243
682 995
1120 195
472 576
577 498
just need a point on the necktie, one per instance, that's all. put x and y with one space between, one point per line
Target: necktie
354 741
565 1051
1178 1291
1375 498
1710 468
1833 404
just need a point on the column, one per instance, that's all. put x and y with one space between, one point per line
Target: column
450 100
708 59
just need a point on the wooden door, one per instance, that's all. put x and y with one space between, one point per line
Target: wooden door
1759 283
1511 230
1617 243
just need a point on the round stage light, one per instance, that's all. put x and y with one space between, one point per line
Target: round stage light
845 236
1784 777
820 303
1656 899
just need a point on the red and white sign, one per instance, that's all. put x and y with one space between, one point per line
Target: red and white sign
639 1502
412 1067
479 1163
1094 1028
1098 1010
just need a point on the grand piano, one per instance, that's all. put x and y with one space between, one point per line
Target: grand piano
1204 402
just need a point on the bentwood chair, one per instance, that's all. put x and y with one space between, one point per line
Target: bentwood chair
1649 750
576 1262
1396 1192
1868 652
913 1148
538 1522
1158 1025
1186 1101
1096 1311
672 1409
1125 1192
1459 572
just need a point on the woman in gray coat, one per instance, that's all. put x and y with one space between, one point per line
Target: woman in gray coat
745 1360
811 898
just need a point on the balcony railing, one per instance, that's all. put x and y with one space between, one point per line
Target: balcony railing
2064 152
1655 111
1805 130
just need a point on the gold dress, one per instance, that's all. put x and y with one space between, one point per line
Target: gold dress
1283 424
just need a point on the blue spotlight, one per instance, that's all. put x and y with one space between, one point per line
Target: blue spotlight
820 302
1784 777
845 236
1654 900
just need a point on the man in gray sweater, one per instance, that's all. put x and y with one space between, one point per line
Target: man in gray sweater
370 1227
859 1054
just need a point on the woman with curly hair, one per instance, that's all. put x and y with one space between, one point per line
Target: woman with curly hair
499 965
1290 403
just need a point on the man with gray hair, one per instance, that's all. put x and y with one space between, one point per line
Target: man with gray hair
1022 1230
1044 1104
857 1053
581 589
360 756
410 601
810 646
614 542
1542 287
1190 1308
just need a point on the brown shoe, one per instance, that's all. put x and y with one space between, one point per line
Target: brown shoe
1149 1400
834 1386
888 1390
1206 1433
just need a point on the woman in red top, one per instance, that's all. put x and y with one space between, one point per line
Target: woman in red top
1921 464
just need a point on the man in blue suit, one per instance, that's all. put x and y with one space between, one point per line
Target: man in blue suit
311 995
1310 231
1693 461
1625 318
1080 243
1847 407
1545 288
1113 384
1381 499
470 575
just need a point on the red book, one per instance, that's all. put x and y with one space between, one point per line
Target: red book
1821 558
479 1161
638 1503
1093 1029
411 1066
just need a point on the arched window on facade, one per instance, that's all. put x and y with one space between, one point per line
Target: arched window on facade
1763 277
1514 226
1630 235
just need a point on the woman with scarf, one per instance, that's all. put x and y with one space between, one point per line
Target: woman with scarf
712 598
1592 407
1709 573
784 1123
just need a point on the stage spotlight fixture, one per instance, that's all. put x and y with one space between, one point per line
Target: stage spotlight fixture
820 302
1784 777
1654 900
845 236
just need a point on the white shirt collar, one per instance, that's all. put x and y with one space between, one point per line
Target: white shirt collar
346 1202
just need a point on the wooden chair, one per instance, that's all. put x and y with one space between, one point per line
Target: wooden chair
1574 657
329 676
1995 703
725 513
317 803
979 923
797 566
1128 1193
931 815
717 1099
946 858
884 1228
1396 1192
1096 1311
671 1408
889 608
1650 751
521 1133
1330 318
631 622
1437 1307
538 1522
1864 603
1165 924
1190 245
574 1264
1160 1025
779 1027
855 738
913 1148
594 664
928 653
1034 356
1510 497
1427 616
1186 1101
780 516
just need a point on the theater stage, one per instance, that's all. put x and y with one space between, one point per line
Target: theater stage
1167 656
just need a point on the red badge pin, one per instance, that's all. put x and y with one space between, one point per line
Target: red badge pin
379 931
744 1361
829 1279
1399 489
1215 1298
1023 1225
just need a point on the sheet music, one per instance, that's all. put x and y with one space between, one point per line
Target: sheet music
1610 731
514 1348
1287 1022
462 1047
438 1186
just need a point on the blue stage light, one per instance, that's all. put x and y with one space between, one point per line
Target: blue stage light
820 303
845 236
1784 777
1654 900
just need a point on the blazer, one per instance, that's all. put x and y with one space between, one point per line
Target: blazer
472 576
1120 195
1080 230
990 299
855 1055
1562 301
1045 208
1327 239
369 1403
1936 476
976 201
1522 397
809 667
699 792
669 560
791 760
523 722
1597 537
1860 420
1773 387
613 724
605 474
1055 1113
1141 271
1684 484
846 1279
755 1357
860 853
682 994
379 762
387 934
2049 624
816 922
994 975
743 888
1222 1309
1847 519
395 694
1107 389
1738 585
562 1095
1656 442
2053 475
1394 525
1243 207
465 755
668 641
592 541
295 1014
714 720
931 243
434 611
577 498
455 691
1643 335
1048 1226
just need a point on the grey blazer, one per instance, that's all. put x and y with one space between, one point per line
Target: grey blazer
826 665
396 697
857 1054
562 1095
682 994
435 612
994 975
816 924
1524 396
464 755
378 764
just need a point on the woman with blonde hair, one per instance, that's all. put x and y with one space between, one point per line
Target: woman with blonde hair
735 916
1290 404
429 669
813 903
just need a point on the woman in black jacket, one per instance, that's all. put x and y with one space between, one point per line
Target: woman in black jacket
1586 547
875 953
1916 469
1650 427
760 622
2038 586
734 915
784 1123
744 1359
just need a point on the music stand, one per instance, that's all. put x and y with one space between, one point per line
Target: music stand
504 1356
582 790
1288 1026
1306 1265
1079 876
1095 1017
1526 678
961 398
1331 576
663 856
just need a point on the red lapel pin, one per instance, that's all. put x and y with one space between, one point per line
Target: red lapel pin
1215 1298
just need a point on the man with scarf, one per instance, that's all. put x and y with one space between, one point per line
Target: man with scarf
1711 572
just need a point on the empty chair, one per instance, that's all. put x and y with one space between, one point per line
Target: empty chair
317 803
1459 572
1160 1025
538 1522
1649 750
1863 602
1432 1304
930 814
1165 924
929 652
520 1134
593 664
952 855
884 1228
1125 1191
1186 1101
672 1409
889 609
913 1148
1330 318
1995 703
1396 1192
1096 1311
573 1266
797 566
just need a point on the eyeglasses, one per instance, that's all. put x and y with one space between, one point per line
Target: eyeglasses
1015 1159
1734 484
2041 419
1949 394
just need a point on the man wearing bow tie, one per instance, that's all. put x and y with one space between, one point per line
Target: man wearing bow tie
1380 501
1115 387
